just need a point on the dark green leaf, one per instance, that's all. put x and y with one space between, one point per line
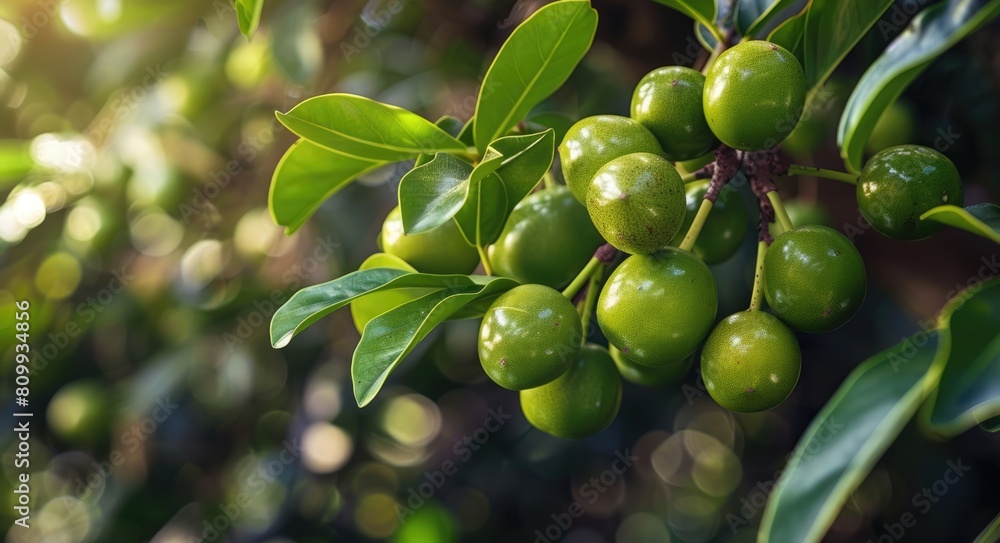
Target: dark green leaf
846 439
305 177
431 194
702 11
832 29
482 207
248 15
969 390
789 33
534 62
755 18
449 124
980 219
467 135
388 338
361 127
370 306
931 33
313 303
526 160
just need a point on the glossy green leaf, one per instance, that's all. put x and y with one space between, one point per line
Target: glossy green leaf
485 203
931 33
702 11
969 390
534 62
388 338
467 135
449 124
248 15
789 33
980 219
305 177
846 439
755 18
832 29
310 304
370 306
361 127
991 533
431 194
526 160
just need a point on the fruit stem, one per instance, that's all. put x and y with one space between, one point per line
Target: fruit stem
850 178
485 259
582 278
550 180
758 277
699 221
779 211
591 301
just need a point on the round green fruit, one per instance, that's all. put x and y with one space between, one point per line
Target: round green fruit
650 376
667 101
637 202
594 141
657 308
528 337
801 214
547 239
814 278
899 184
723 232
750 362
581 402
441 250
754 95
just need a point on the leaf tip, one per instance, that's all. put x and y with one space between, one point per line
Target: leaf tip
282 341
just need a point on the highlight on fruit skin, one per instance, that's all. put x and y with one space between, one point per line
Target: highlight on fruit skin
750 362
899 184
581 402
529 337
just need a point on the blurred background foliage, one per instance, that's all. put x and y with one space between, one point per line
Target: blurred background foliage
137 139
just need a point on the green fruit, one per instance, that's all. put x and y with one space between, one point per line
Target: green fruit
637 202
441 250
900 184
814 278
723 232
657 308
801 214
80 411
547 239
581 402
372 305
667 101
595 141
649 376
528 337
894 127
754 94
750 362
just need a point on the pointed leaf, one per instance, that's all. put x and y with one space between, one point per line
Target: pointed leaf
534 62
431 194
932 32
248 15
526 160
833 28
388 338
305 177
846 439
969 390
361 127
980 219
310 304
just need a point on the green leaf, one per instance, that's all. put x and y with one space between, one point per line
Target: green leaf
759 17
969 390
702 11
467 135
526 160
248 15
789 33
991 425
832 29
305 177
361 127
932 32
485 203
310 304
370 306
980 219
534 62
449 124
991 533
388 338
431 194
846 439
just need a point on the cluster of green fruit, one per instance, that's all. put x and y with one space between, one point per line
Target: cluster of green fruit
659 305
